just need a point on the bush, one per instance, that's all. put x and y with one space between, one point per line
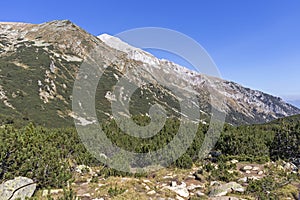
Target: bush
115 191
44 155
184 162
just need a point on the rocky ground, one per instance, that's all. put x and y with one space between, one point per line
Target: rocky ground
168 184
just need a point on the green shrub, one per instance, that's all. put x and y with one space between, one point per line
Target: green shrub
115 191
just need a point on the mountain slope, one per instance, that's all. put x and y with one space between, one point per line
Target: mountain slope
39 63
256 106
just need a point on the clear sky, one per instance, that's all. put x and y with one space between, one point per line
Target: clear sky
255 43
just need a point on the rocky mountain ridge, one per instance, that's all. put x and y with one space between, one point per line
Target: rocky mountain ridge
39 63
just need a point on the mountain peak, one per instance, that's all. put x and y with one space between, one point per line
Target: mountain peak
132 52
117 43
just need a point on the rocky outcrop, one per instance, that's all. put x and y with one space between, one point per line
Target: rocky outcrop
18 188
224 189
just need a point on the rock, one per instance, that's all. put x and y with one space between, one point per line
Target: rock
255 169
234 161
181 190
213 183
248 172
260 172
146 186
243 180
86 195
146 181
179 198
253 178
193 187
19 187
173 184
168 177
52 191
247 168
199 194
290 166
226 188
152 192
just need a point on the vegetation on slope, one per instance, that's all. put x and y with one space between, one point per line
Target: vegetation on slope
49 155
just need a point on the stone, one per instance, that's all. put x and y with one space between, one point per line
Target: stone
181 190
168 177
213 183
199 194
255 169
234 161
173 184
152 192
260 172
86 195
253 178
146 187
243 180
290 166
190 177
179 198
248 172
18 188
247 167
52 191
193 187
226 188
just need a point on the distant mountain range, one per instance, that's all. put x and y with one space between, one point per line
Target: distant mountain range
39 63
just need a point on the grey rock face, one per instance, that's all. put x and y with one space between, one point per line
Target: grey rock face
224 189
19 187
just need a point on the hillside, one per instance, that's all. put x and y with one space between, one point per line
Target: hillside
39 63
248 162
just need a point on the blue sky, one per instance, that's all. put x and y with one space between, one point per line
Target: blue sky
255 43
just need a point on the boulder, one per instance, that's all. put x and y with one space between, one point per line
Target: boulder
18 188
253 178
247 168
52 192
181 190
243 180
260 173
290 166
255 169
199 194
226 188
173 184
152 192
234 161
